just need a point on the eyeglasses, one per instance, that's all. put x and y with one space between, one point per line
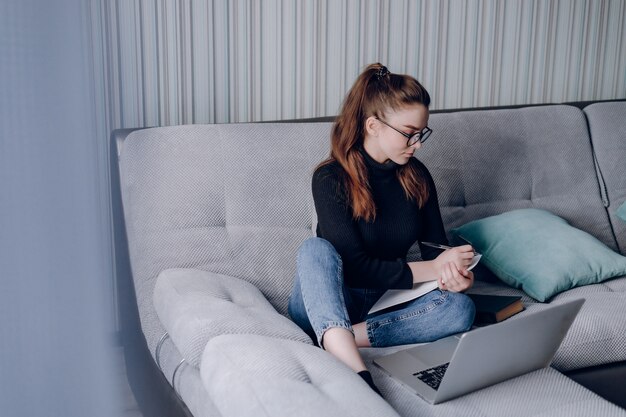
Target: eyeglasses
415 137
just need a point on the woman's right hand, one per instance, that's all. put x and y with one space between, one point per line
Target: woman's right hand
461 256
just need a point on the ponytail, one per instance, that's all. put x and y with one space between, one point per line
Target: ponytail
374 91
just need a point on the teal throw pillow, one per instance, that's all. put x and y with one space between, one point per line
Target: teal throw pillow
621 211
540 253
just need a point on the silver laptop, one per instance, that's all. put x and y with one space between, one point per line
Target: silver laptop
463 363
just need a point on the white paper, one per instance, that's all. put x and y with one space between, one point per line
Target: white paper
393 297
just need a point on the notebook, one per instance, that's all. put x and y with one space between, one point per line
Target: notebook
393 297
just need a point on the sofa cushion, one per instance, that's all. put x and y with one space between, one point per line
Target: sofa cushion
621 212
542 393
198 196
195 306
492 161
257 376
598 335
540 253
607 124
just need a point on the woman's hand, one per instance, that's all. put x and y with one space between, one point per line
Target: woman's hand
455 280
461 256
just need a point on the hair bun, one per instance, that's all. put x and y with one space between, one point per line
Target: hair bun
382 72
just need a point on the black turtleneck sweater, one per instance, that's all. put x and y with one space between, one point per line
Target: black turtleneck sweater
374 253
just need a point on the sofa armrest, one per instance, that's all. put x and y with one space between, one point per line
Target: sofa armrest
195 306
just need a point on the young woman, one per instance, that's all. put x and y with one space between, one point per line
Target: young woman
373 201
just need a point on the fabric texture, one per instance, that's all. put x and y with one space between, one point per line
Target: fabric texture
598 334
195 306
540 253
198 197
542 393
621 211
258 376
489 162
607 124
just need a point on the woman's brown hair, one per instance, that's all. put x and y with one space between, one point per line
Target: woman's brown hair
375 91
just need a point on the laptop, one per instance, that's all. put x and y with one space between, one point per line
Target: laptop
460 364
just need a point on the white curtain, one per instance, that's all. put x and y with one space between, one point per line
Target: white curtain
56 321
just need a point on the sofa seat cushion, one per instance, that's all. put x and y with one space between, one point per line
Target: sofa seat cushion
194 306
597 335
259 376
545 392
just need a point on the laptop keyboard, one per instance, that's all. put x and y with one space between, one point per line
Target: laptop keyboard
432 376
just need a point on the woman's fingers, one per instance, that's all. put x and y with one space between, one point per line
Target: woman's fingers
466 248
454 280
449 275
446 276
462 255
460 258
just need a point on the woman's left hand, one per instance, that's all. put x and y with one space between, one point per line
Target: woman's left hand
455 280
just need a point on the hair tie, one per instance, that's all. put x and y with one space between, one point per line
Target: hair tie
382 72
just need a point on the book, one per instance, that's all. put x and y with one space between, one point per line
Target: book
393 297
495 308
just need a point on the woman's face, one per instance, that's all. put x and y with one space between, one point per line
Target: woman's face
383 143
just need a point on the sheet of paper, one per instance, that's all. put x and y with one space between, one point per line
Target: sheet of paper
393 297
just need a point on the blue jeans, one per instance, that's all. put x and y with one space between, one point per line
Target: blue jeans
320 301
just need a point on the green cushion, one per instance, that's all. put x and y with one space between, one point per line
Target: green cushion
540 253
621 211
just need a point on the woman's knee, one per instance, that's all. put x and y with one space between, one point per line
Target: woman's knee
463 309
319 257
317 246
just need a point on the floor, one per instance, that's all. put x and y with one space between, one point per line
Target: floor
129 405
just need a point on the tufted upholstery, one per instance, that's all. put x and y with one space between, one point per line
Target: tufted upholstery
608 131
201 197
542 393
195 306
489 162
311 383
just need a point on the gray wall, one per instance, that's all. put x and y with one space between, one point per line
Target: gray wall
197 61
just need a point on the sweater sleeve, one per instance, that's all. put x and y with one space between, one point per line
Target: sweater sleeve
336 224
432 224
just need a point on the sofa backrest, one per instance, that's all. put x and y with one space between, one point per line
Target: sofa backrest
233 199
236 199
607 123
491 161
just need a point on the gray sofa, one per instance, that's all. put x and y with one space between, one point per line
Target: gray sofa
213 216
